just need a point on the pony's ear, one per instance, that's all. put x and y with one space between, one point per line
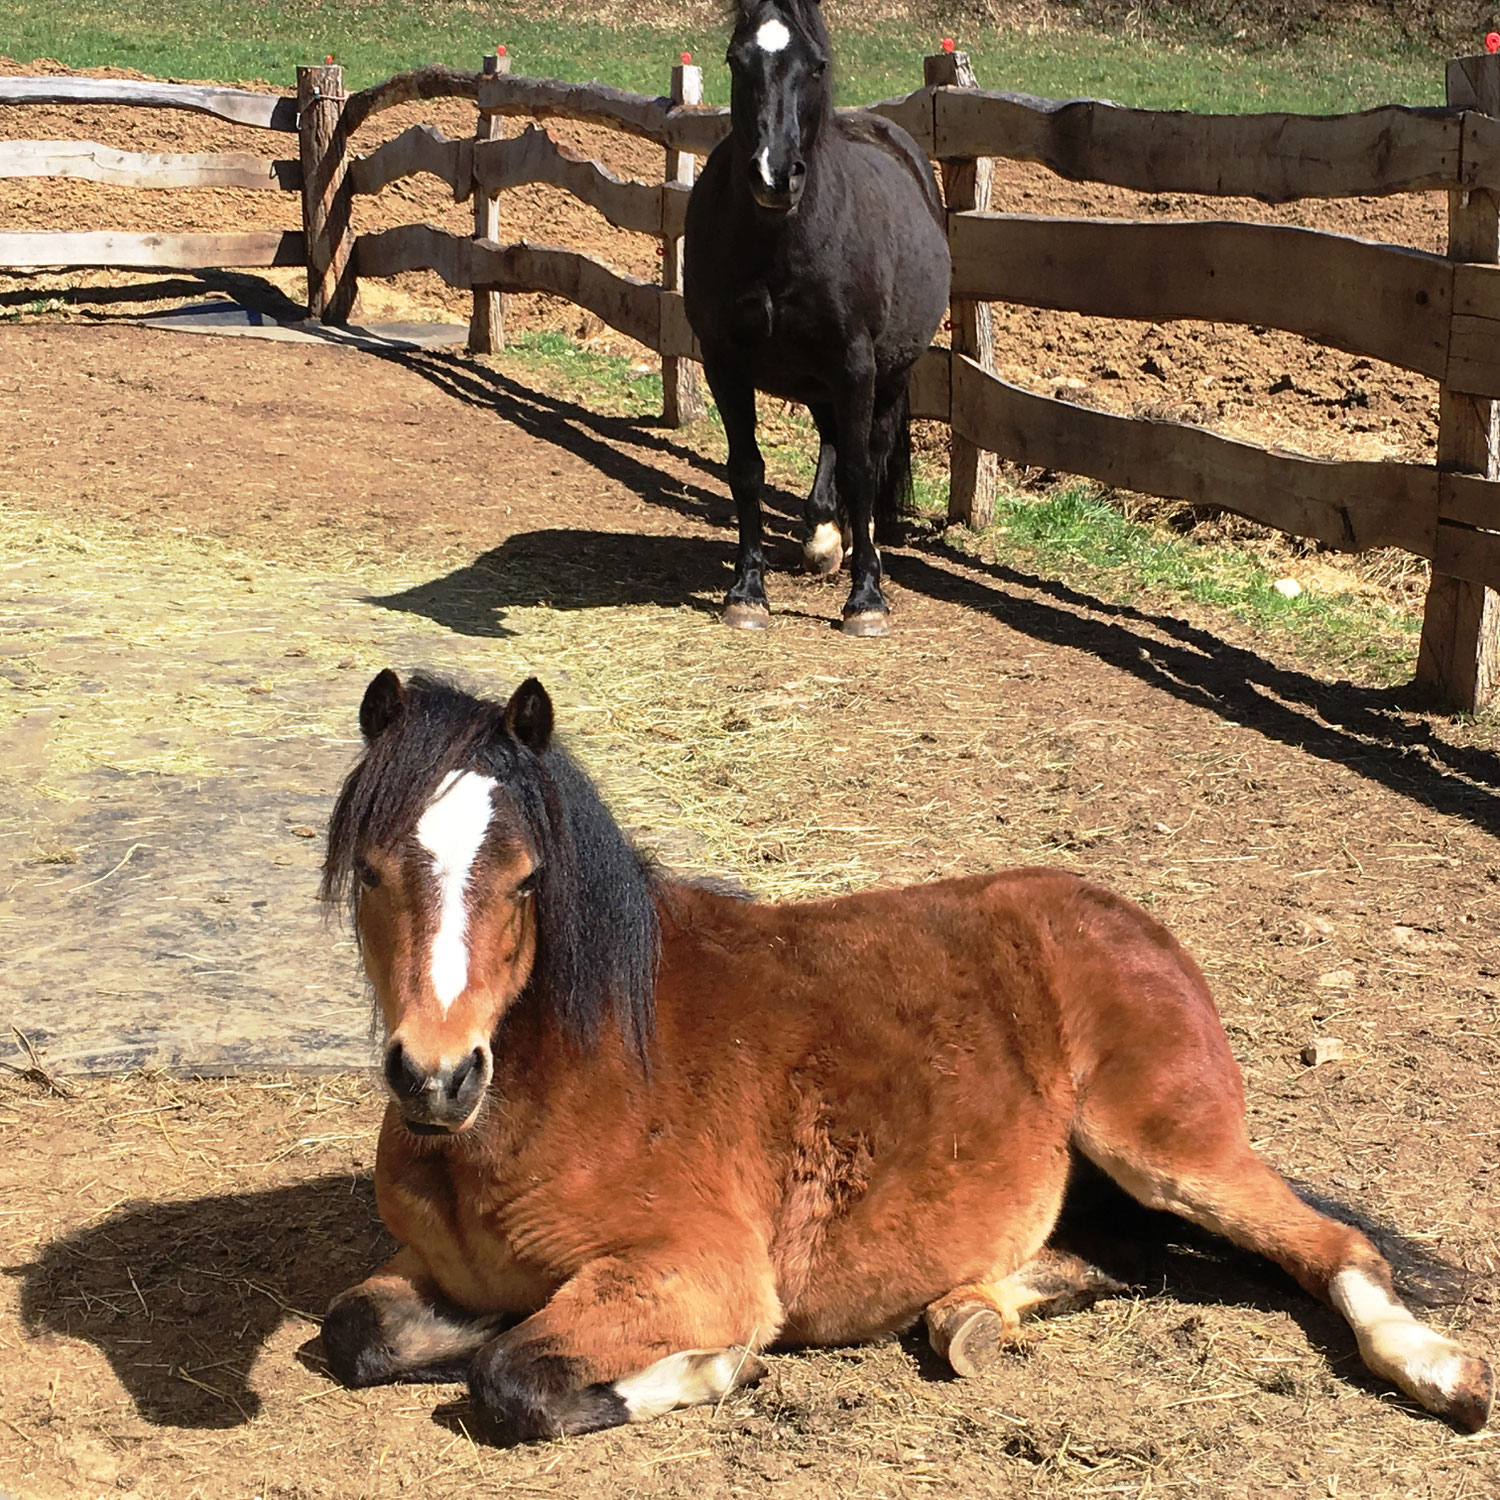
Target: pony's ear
384 703
528 715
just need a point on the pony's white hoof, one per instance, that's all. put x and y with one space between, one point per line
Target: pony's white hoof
867 622
740 616
823 551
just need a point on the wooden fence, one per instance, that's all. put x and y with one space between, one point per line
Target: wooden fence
1437 315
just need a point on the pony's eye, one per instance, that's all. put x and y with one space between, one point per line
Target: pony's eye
528 886
367 876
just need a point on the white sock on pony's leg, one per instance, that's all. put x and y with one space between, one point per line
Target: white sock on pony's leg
1429 1367
692 1378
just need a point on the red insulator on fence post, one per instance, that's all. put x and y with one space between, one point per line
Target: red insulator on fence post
972 471
681 378
326 194
487 319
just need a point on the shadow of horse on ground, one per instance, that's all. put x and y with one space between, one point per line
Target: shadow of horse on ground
180 1296
570 570
167 1290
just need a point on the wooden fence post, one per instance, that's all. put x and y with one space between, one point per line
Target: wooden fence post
326 196
487 321
681 379
966 185
1459 661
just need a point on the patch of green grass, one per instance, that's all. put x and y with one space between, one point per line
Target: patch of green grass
1076 535
605 383
1349 68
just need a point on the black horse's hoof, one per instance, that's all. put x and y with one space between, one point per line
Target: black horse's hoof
867 622
741 616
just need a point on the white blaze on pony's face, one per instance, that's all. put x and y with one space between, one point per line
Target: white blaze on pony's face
451 830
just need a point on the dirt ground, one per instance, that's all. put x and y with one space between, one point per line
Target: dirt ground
206 547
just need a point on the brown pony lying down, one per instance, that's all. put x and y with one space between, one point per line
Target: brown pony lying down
640 1129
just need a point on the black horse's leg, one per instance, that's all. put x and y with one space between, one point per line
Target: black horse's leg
745 605
865 611
823 547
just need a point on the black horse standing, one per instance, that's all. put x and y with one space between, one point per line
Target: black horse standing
816 270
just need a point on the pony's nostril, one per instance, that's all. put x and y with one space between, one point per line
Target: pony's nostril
467 1077
799 169
407 1080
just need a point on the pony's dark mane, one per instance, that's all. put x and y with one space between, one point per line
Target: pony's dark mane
597 933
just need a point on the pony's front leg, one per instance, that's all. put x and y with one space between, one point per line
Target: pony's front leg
627 1339
865 611
745 605
397 1327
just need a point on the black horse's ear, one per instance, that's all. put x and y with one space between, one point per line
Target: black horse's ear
528 715
384 703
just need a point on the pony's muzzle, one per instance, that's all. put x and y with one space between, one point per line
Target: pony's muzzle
776 189
437 1099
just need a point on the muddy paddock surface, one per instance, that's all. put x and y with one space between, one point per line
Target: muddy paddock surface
207 546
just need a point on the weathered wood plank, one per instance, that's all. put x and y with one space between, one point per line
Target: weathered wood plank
422 148
1273 157
487 309
91 162
533 156
972 471
269 111
1467 556
928 386
145 252
327 200
1474 336
682 380
688 128
1384 301
637 308
1351 506
431 82
912 112
1470 500
1458 660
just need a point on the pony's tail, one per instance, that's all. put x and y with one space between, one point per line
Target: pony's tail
891 435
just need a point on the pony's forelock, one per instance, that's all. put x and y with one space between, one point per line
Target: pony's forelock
596 919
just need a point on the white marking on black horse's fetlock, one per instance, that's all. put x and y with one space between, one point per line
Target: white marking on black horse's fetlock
824 548
692 1378
451 830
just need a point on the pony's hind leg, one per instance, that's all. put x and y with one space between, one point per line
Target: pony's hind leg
973 1323
395 1327
1190 1157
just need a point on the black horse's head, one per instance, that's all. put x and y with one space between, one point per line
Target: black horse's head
780 63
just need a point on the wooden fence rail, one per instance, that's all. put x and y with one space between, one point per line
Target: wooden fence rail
1438 315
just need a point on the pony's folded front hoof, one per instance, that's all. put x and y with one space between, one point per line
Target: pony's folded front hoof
867 622
741 616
